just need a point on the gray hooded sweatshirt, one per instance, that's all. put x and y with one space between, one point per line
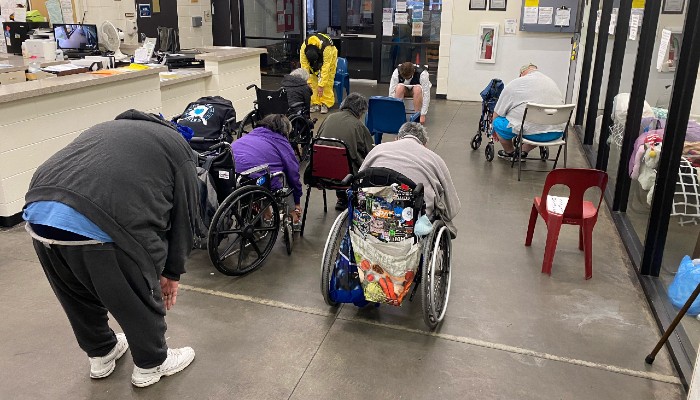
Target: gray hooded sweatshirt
135 178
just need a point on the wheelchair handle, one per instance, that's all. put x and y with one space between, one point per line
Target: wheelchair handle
221 145
346 181
250 86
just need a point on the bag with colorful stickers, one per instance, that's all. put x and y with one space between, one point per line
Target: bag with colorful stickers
383 242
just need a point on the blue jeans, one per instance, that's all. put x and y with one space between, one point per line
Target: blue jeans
500 126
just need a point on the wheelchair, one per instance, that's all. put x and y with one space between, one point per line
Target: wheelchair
246 225
275 102
433 275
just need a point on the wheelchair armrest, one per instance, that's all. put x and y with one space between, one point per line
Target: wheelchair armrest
221 145
282 175
419 189
254 170
297 104
346 181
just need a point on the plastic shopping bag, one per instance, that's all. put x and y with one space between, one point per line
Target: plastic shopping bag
345 284
686 280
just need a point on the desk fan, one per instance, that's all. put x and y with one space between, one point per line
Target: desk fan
110 40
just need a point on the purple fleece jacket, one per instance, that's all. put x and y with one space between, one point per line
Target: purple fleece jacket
263 146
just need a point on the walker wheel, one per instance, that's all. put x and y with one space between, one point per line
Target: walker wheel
476 141
488 151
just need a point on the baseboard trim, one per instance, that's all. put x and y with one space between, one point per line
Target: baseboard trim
441 96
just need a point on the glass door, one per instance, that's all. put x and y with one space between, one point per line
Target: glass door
360 23
411 32
277 26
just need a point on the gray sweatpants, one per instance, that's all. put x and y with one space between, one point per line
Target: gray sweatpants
91 279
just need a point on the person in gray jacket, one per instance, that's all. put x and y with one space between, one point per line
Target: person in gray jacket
409 155
298 90
347 125
112 218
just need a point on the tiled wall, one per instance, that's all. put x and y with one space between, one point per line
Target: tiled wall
113 11
194 37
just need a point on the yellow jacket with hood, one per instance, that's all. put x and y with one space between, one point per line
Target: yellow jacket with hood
330 55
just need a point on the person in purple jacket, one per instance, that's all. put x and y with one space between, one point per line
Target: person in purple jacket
269 144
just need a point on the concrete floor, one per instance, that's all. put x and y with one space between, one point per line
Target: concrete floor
509 333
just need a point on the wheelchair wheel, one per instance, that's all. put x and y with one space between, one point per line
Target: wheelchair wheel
301 136
544 153
488 151
476 141
247 124
288 234
243 230
330 255
436 275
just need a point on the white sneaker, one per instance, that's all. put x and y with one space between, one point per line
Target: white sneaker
324 109
315 108
102 367
178 359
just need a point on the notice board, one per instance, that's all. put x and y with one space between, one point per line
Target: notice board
555 16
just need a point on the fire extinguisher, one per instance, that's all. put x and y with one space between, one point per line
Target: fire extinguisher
488 42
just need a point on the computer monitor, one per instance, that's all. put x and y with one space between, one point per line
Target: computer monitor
76 37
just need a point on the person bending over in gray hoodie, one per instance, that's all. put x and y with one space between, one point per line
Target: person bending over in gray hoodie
112 218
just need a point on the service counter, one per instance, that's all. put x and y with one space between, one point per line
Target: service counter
38 118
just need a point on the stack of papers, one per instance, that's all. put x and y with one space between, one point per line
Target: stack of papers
61 68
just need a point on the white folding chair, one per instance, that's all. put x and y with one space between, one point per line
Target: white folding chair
543 114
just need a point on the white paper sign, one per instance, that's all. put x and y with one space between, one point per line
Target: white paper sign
613 22
387 14
53 7
530 15
417 29
563 17
633 32
545 16
401 6
511 26
387 28
20 14
401 18
663 49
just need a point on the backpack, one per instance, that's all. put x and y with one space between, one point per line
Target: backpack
209 117
208 204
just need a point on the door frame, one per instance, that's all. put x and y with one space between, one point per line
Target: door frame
377 40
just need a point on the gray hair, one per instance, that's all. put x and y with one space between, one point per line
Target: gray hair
355 103
277 123
414 129
301 73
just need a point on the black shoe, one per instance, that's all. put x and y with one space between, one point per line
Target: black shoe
506 156
341 205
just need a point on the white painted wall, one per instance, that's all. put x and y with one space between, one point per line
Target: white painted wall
460 77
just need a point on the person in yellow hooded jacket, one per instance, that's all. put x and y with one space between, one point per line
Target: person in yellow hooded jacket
319 56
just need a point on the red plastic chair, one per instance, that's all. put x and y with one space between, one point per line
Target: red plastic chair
328 166
572 210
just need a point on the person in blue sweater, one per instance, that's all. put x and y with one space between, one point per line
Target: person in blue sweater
269 144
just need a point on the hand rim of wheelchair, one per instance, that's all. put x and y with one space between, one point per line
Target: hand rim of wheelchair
330 255
440 232
245 239
288 231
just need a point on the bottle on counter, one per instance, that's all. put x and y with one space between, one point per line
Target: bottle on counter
25 53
